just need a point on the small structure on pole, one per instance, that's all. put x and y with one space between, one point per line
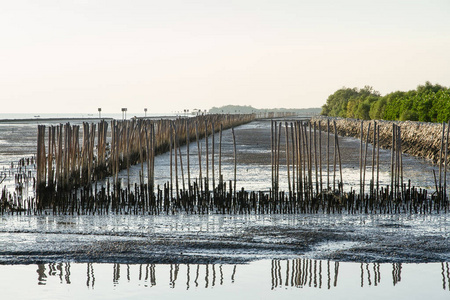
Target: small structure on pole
124 113
145 111
99 113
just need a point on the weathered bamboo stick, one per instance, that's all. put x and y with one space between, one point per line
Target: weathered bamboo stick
440 160
287 157
212 156
293 158
378 162
315 158
220 156
361 159
341 184
171 174
328 154
187 155
392 161
272 148
199 151
365 160
207 158
445 162
235 160
335 158
320 160
300 159
372 183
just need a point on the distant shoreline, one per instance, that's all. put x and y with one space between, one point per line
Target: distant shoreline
37 120
50 119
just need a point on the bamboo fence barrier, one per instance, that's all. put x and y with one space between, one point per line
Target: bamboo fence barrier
72 158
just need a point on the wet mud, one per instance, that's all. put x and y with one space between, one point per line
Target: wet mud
400 238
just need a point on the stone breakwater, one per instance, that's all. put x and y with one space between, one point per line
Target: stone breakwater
419 139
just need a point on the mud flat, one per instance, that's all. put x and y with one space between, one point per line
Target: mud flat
231 238
224 238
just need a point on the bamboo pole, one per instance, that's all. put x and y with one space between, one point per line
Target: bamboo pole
176 148
278 161
315 159
445 166
328 154
392 161
293 157
320 159
310 161
212 156
378 162
300 159
272 148
235 159
373 159
287 157
361 160
171 174
207 159
365 161
187 155
220 156
440 160
335 157
341 184
199 151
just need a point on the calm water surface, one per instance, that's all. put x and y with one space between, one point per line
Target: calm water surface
266 279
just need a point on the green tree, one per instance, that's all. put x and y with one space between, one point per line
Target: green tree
427 103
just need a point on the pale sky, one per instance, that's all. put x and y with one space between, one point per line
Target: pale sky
69 56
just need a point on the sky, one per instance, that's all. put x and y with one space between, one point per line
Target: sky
68 56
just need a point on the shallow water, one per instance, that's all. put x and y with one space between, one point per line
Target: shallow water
265 279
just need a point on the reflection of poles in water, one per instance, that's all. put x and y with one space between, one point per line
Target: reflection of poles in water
173 274
67 270
376 269
297 273
116 274
212 274
196 275
376 274
42 277
301 273
275 272
362 269
336 271
149 272
90 281
445 275
206 276
396 273
57 270
188 277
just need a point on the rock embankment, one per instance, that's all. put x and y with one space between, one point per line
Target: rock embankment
418 138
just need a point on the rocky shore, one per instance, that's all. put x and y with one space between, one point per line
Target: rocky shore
419 139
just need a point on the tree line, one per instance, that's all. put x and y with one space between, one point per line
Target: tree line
427 103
